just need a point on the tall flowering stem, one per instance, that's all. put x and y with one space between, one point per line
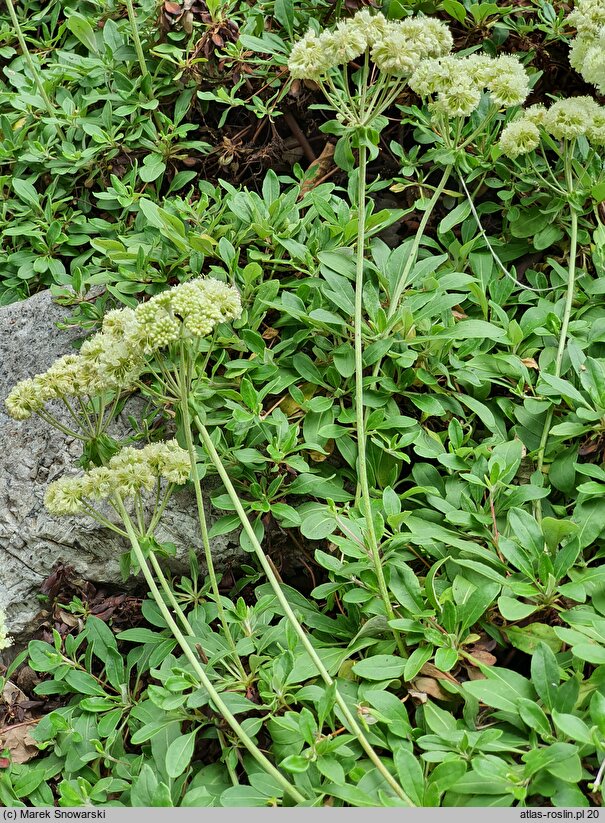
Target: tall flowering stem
184 391
32 67
566 121
283 601
568 152
389 51
196 665
362 467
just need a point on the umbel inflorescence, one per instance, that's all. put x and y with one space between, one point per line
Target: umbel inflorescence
112 360
129 473
395 47
587 54
564 120
455 85
416 50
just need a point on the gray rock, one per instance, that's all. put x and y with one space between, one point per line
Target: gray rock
32 455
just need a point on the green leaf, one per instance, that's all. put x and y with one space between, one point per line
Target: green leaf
317 521
545 674
307 369
295 763
416 661
573 727
533 716
243 797
590 518
512 609
81 28
152 168
84 683
457 215
560 759
469 330
589 652
528 638
410 774
501 689
26 192
446 659
179 754
380 667
555 531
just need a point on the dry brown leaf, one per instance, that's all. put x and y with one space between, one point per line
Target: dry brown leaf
432 671
11 693
430 686
481 656
530 363
17 740
474 674
422 696
320 167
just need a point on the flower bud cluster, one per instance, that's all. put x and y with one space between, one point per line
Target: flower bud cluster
396 47
456 84
113 359
564 120
5 640
107 362
587 55
189 310
128 473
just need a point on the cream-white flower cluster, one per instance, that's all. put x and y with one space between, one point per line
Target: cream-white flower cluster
5 640
587 55
108 362
113 359
396 47
455 85
564 120
189 310
127 474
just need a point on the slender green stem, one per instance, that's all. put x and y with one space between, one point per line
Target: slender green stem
226 751
275 585
32 66
571 282
362 466
170 594
196 665
52 421
159 507
410 262
411 259
184 406
138 47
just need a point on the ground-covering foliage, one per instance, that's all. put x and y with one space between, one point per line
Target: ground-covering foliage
353 263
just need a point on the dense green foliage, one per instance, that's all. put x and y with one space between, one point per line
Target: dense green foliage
483 395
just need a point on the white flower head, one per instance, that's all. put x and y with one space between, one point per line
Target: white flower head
507 81
371 26
536 114
345 43
568 119
129 472
592 67
596 129
307 59
588 16
189 310
406 43
519 137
